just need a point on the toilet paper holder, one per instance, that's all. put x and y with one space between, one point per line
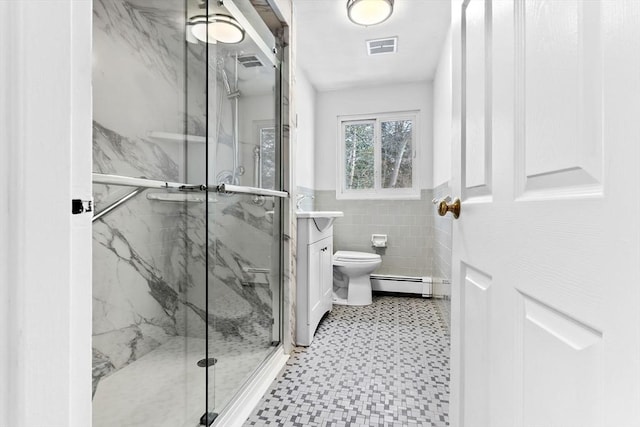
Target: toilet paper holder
379 240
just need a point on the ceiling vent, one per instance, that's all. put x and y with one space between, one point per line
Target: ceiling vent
250 61
382 46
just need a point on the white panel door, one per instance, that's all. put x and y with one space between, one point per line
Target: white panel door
546 252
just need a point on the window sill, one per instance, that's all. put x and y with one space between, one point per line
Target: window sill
413 195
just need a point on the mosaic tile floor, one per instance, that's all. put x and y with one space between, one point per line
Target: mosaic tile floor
386 364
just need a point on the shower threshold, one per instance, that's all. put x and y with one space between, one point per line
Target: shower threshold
166 387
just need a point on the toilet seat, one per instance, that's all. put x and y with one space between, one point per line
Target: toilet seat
345 257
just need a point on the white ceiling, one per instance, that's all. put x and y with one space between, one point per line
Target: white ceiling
332 50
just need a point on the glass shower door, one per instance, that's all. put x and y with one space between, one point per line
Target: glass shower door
187 282
244 211
149 237
244 294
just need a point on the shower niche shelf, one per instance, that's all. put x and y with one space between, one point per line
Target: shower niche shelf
180 197
177 137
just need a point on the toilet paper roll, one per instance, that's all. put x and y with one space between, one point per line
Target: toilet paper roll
379 240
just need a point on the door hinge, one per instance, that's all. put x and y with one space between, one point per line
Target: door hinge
79 206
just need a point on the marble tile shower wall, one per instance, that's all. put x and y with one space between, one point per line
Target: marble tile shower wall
149 256
407 223
138 271
442 245
240 235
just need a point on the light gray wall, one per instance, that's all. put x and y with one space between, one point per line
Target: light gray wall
407 223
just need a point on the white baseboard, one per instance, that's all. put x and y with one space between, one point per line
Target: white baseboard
237 412
420 286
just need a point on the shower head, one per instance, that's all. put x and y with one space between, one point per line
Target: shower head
231 93
220 64
225 81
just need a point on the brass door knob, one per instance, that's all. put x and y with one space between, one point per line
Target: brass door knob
454 208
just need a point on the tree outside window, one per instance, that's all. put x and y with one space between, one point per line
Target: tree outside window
267 135
359 155
397 165
377 157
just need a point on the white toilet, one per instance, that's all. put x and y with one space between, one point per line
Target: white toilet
356 268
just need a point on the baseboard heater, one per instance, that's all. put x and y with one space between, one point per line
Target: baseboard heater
402 284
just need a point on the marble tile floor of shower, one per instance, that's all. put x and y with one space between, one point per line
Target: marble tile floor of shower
166 387
386 364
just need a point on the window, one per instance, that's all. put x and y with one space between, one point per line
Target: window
264 154
268 157
377 155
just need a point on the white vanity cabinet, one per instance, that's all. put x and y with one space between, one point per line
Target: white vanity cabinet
314 272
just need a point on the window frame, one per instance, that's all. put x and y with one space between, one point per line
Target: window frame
379 193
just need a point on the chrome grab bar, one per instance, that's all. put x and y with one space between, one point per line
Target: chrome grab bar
257 167
101 178
227 188
117 203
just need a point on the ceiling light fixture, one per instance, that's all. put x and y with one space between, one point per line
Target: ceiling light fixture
369 12
215 28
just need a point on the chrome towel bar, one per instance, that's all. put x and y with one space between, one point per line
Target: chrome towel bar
227 188
100 178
